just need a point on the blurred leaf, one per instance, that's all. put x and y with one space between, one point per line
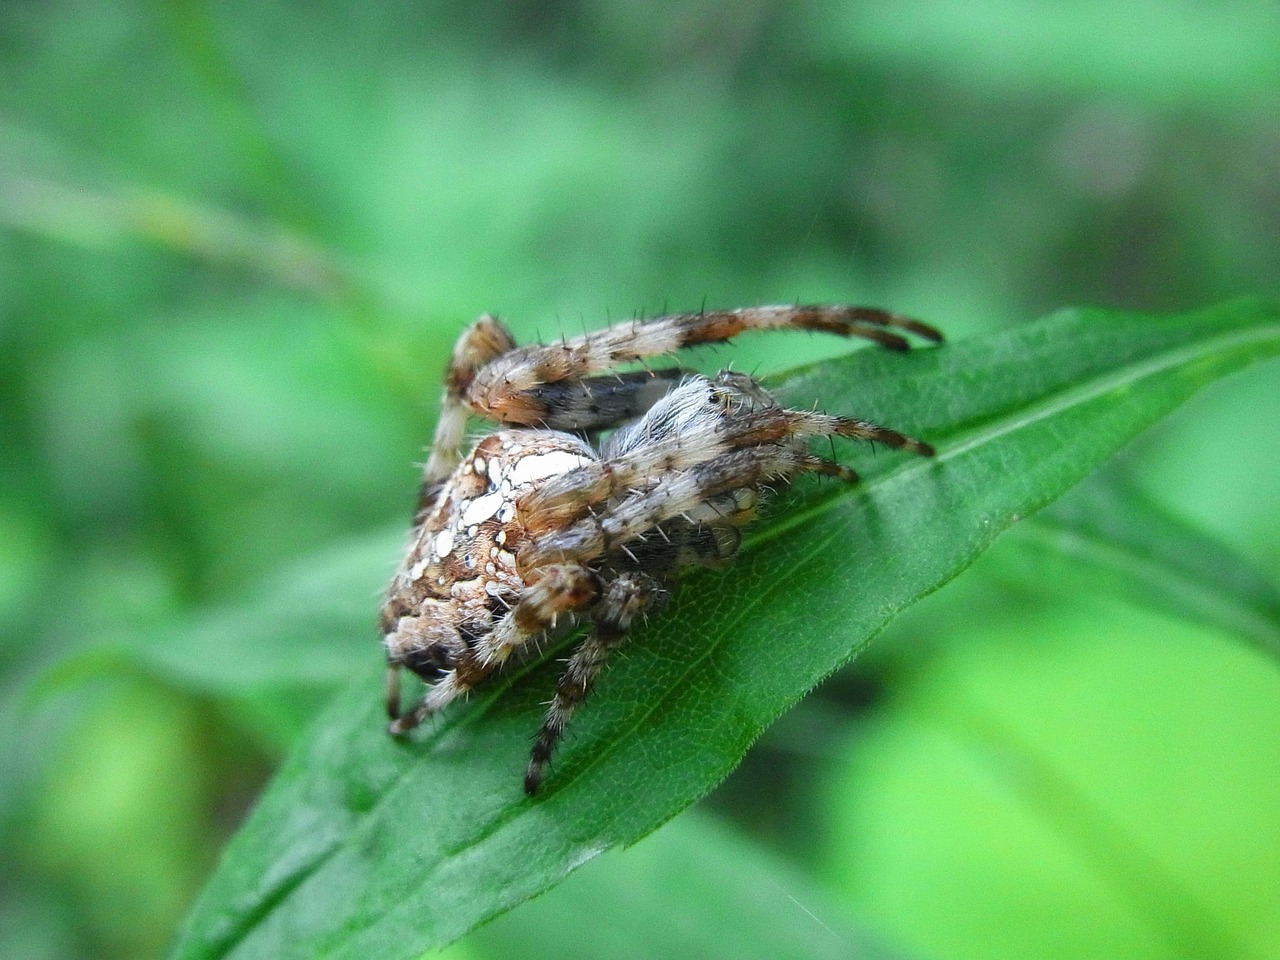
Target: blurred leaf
312 624
1079 779
369 846
99 216
1162 52
692 889
268 656
32 923
1110 530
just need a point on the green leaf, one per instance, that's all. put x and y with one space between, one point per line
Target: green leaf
365 846
692 889
1110 534
1105 775
304 627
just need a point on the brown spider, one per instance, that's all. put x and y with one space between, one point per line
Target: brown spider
544 526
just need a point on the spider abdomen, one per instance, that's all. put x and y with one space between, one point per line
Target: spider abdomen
462 573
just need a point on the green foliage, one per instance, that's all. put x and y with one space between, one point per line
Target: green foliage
1070 751
237 241
437 836
1108 536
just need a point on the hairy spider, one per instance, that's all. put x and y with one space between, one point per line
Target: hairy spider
543 526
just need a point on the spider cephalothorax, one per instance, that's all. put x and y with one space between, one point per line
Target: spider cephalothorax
544 526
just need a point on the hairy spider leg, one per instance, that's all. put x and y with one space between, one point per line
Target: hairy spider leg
482 342
628 596
559 589
586 404
555 590
591 404
567 385
674 496
507 388
688 431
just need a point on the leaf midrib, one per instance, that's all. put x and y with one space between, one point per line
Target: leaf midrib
1242 616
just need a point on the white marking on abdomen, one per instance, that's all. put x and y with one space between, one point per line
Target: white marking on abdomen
443 543
480 509
540 466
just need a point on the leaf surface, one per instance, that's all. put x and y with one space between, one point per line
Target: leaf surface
1110 535
364 846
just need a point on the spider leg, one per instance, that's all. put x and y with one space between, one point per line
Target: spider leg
685 430
675 495
482 342
392 689
559 589
776 424
507 388
628 596
706 536
453 684
603 402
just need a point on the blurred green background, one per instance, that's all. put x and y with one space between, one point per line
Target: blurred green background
238 240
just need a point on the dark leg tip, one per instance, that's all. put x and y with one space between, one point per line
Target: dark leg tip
932 334
532 780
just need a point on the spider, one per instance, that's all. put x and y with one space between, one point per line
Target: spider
544 525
